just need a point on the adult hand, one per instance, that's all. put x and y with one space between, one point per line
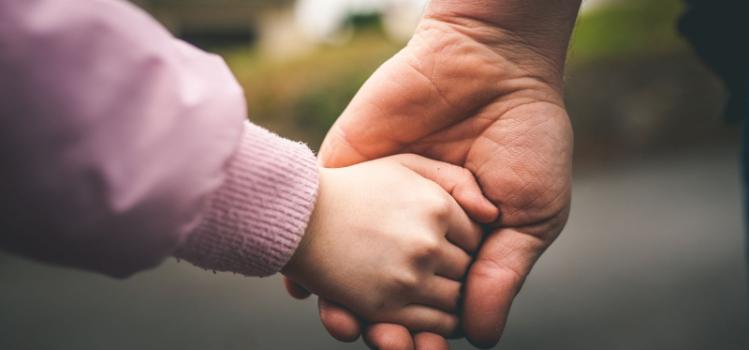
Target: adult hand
389 243
480 86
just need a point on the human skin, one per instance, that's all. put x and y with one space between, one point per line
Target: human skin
389 243
480 86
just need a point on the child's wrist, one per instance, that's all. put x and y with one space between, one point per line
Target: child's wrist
298 260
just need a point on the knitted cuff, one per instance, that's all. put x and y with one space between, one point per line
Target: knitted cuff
257 218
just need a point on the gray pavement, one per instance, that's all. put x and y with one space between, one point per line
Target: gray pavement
652 259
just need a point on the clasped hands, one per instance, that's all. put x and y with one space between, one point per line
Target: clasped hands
465 125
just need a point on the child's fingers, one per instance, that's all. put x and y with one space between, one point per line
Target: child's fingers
430 341
453 262
295 290
420 318
338 321
440 293
458 181
461 230
388 336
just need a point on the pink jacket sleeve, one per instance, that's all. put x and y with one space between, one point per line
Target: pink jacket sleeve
120 146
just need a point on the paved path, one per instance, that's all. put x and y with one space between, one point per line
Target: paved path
652 259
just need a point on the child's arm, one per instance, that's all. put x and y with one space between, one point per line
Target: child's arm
390 244
120 144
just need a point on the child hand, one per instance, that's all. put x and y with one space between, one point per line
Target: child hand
391 245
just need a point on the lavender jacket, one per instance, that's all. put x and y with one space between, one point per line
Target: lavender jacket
121 145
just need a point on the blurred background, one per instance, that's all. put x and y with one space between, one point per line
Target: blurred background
653 256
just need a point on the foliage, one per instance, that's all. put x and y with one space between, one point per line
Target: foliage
301 97
627 28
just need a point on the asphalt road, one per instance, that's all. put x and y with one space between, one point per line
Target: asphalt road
652 259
